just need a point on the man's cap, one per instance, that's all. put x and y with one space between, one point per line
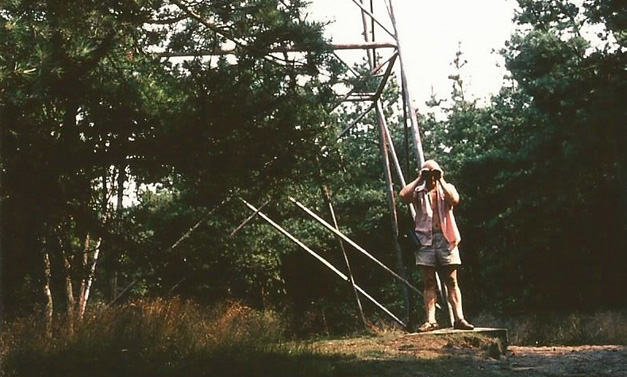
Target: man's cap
430 165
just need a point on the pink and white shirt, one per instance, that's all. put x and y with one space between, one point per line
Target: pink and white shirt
424 216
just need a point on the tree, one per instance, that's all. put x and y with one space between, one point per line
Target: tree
57 62
550 162
261 266
88 106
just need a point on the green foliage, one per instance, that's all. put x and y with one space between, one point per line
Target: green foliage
87 106
540 167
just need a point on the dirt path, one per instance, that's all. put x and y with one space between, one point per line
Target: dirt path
569 361
468 355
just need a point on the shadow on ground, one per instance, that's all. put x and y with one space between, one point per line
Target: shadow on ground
405 356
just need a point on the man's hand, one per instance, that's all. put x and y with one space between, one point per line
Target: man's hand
407 192
450 193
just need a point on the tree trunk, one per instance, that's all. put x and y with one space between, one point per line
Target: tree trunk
48 293
86 284
113 252
69 291
83 288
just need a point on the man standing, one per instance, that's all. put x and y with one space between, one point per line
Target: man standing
437 231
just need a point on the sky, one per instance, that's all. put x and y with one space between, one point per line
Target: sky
430 33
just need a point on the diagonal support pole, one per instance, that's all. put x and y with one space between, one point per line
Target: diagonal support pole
327 198
373 18
411 111
353 244
247 220
322 260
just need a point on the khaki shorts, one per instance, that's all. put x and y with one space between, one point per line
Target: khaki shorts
438 253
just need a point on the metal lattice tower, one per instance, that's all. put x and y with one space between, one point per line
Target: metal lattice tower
379 22
381 49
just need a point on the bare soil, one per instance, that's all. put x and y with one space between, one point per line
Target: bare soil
468 355
569 361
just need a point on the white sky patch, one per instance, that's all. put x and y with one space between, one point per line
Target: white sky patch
430 32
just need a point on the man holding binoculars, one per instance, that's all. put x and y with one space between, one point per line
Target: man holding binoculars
437 232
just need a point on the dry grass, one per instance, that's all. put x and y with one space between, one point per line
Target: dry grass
179 338
602 328
158 338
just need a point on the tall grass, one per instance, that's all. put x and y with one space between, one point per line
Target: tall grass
601 328
159 338
180 338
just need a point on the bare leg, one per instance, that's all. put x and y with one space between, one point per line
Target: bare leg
454 293
455 298
430 294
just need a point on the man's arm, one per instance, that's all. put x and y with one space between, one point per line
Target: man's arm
407 192
450 193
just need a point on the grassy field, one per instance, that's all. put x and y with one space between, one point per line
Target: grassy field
178 338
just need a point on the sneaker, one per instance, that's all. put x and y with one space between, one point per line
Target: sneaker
428 326
462 324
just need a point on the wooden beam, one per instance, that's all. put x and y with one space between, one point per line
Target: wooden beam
413 119
205 218
362 78
354 245
240 226
389 188
234 51
362 45
322 260
353 123
385 78
364 10
327 198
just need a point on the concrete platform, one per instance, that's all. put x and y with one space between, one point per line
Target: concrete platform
496 333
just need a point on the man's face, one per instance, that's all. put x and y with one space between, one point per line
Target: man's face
431 176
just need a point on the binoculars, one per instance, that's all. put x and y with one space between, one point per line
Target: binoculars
431 173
